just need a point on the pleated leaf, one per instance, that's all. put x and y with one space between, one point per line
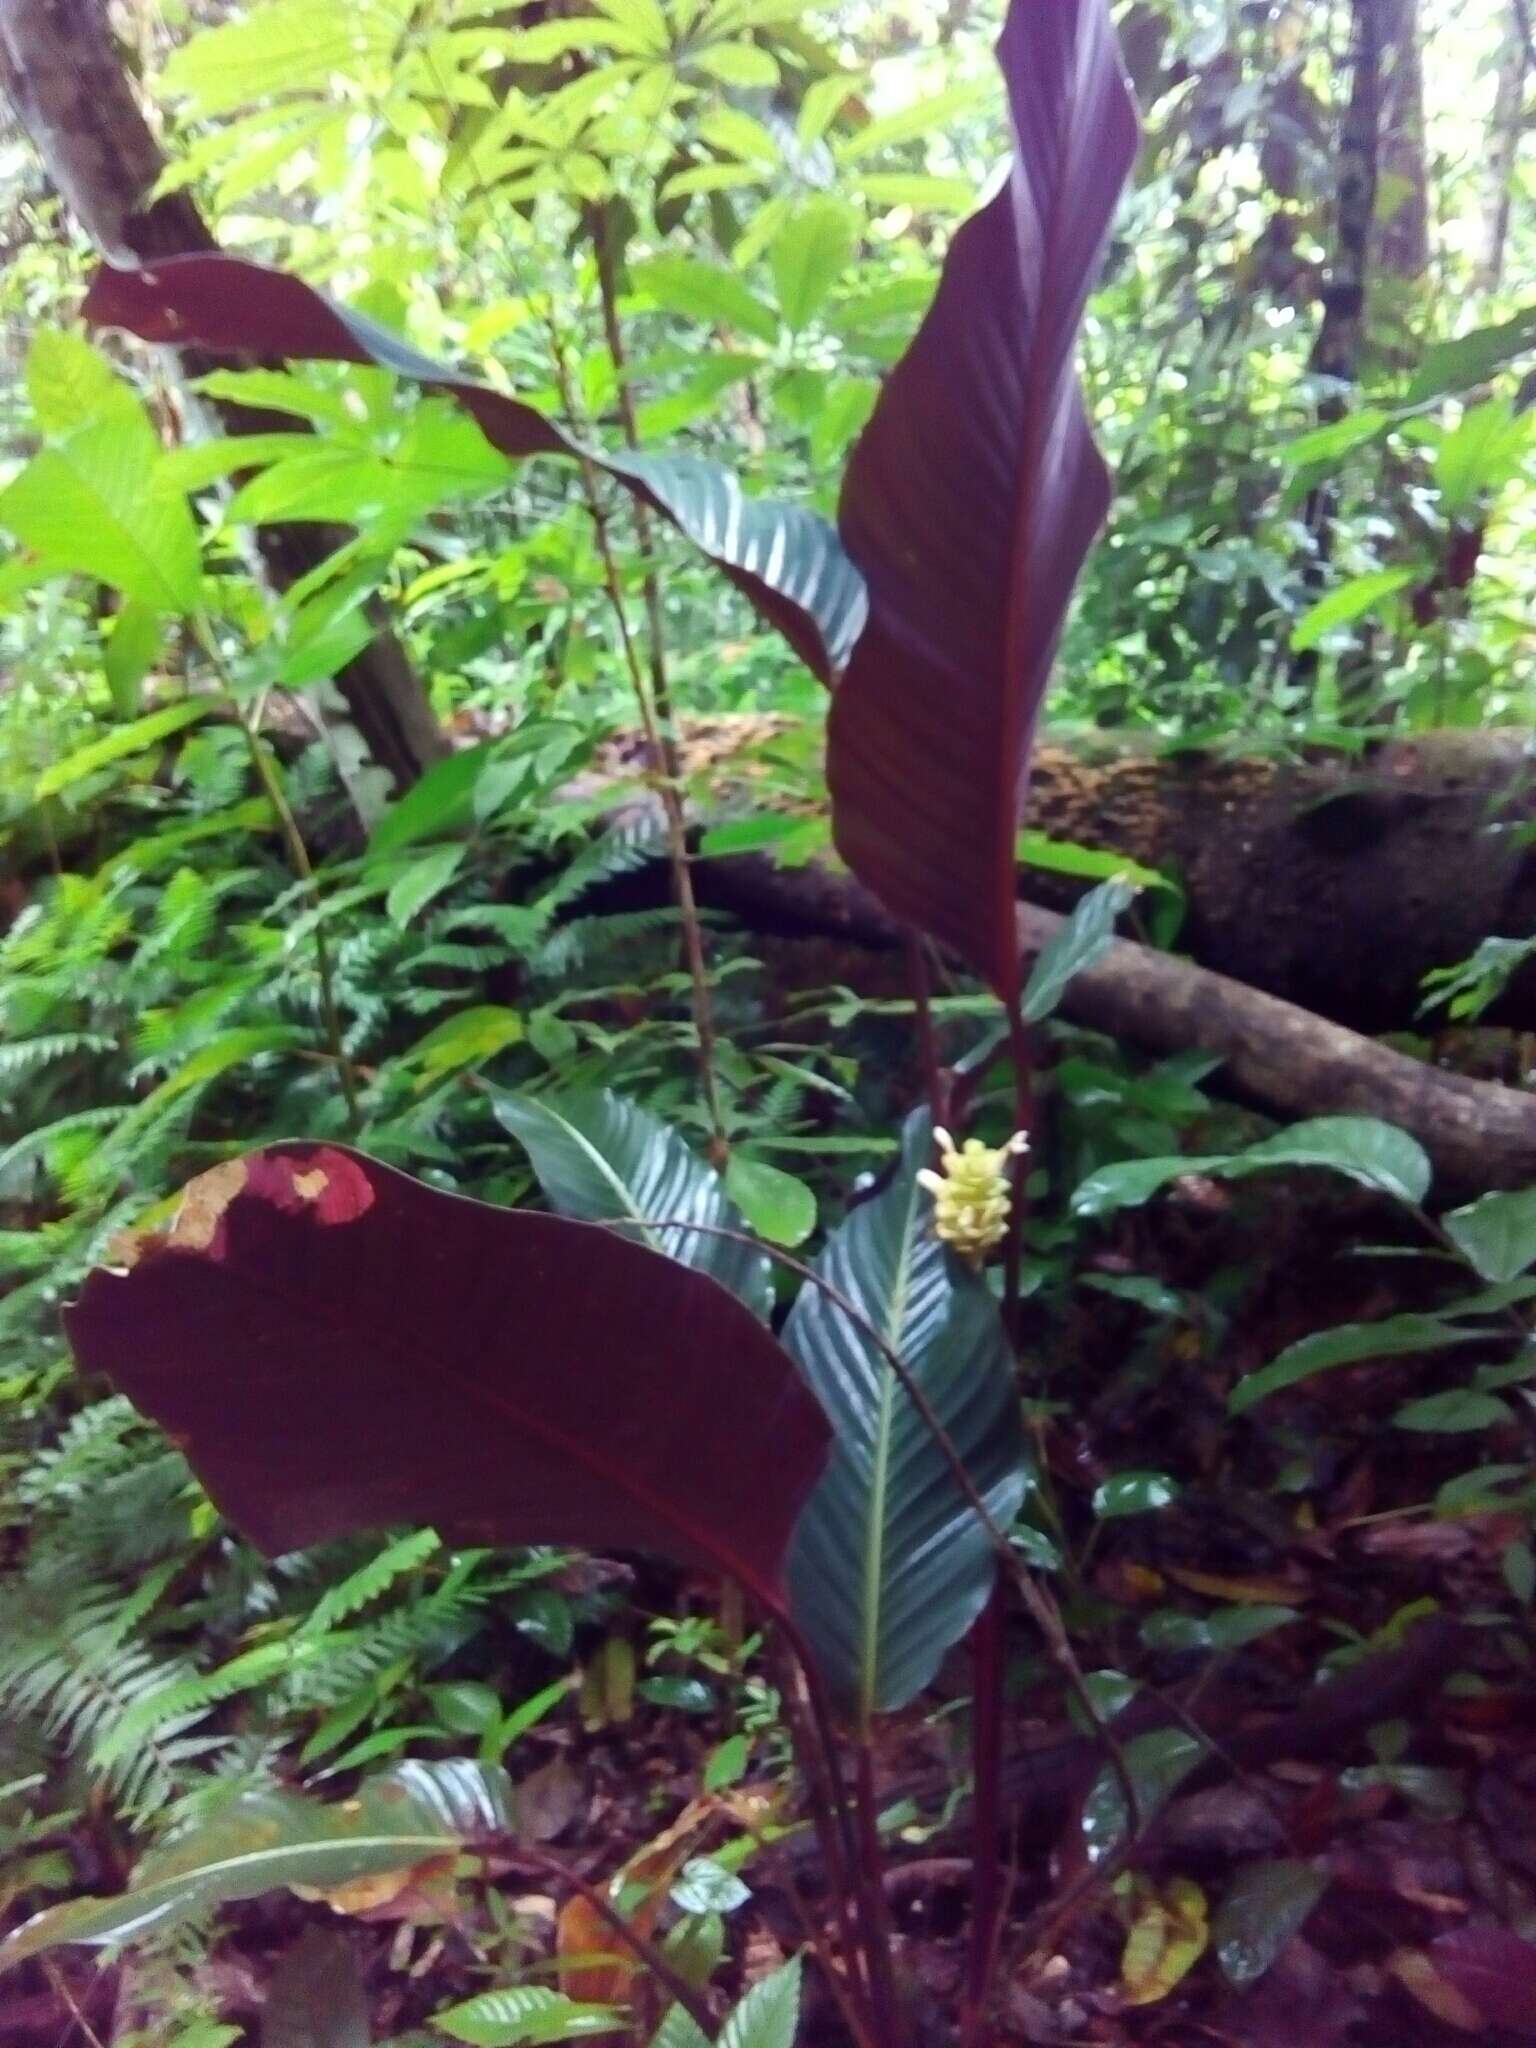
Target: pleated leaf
789 563
605 1160
337 1347
276 1837
889 1564
970 501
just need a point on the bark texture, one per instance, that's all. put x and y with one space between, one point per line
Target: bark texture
1335 882
65 78
1503 148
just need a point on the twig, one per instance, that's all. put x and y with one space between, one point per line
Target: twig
644 1949
298 860
56 1982
666 782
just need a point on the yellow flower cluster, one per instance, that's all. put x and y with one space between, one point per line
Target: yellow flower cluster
971 1194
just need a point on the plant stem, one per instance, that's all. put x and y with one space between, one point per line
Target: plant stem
644 1949
875 1906
665 780
613 330
298 860
989 1637
927 1040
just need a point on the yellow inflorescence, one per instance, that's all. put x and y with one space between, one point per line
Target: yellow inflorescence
971 1194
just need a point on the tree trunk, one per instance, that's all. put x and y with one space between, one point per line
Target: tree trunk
1335 882
65 79
1502 150
1274 1054
1341 336
1401 243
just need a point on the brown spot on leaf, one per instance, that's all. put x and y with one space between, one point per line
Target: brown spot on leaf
311 1185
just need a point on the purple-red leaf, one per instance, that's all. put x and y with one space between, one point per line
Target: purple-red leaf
1494 1970
787 561
337 1347
970 502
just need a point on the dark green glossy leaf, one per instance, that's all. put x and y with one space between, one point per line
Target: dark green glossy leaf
889 1565
1473 357
1228 1628
605 1160
1456 1411
1375 1154
272 1838
1266 1905
1157 1764
1393 1337
1134 1493
1083 940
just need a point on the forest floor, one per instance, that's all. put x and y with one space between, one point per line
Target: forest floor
1351 1859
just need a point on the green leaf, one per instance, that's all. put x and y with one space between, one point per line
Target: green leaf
1473 357
436 807
1364 1149
1351 1343
1483 453
120 743
924 118
1457 1411
1497 1234
271 1838
283 47
889 1564
1134 1493
1351 601
778 1207
96 506
132 649
809 254
1229 1628
706 291
727 1763
525 2014
605 1160
69 383
1265 1906
1157 1765
1377 1155
1092 863
740 64
316 1997
1327 444
425 878
769 2015
1081 941
708 1887
466 1040
679 2029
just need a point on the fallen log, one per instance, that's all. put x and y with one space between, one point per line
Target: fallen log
1284 1059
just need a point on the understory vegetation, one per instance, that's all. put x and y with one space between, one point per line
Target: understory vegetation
670 1370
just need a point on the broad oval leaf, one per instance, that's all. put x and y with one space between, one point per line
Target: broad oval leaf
604 1160
969 504
1267 1904
277 1837
890 1565
788 562
1376 1154
338 1347
1497 1234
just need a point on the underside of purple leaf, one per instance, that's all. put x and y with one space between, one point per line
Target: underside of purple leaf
970 501
787 561
337 1347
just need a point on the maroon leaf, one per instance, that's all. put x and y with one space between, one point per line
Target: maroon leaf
1494 1970
787 561
337 1347
970 502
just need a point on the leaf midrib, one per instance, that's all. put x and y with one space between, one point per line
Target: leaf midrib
875 1526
